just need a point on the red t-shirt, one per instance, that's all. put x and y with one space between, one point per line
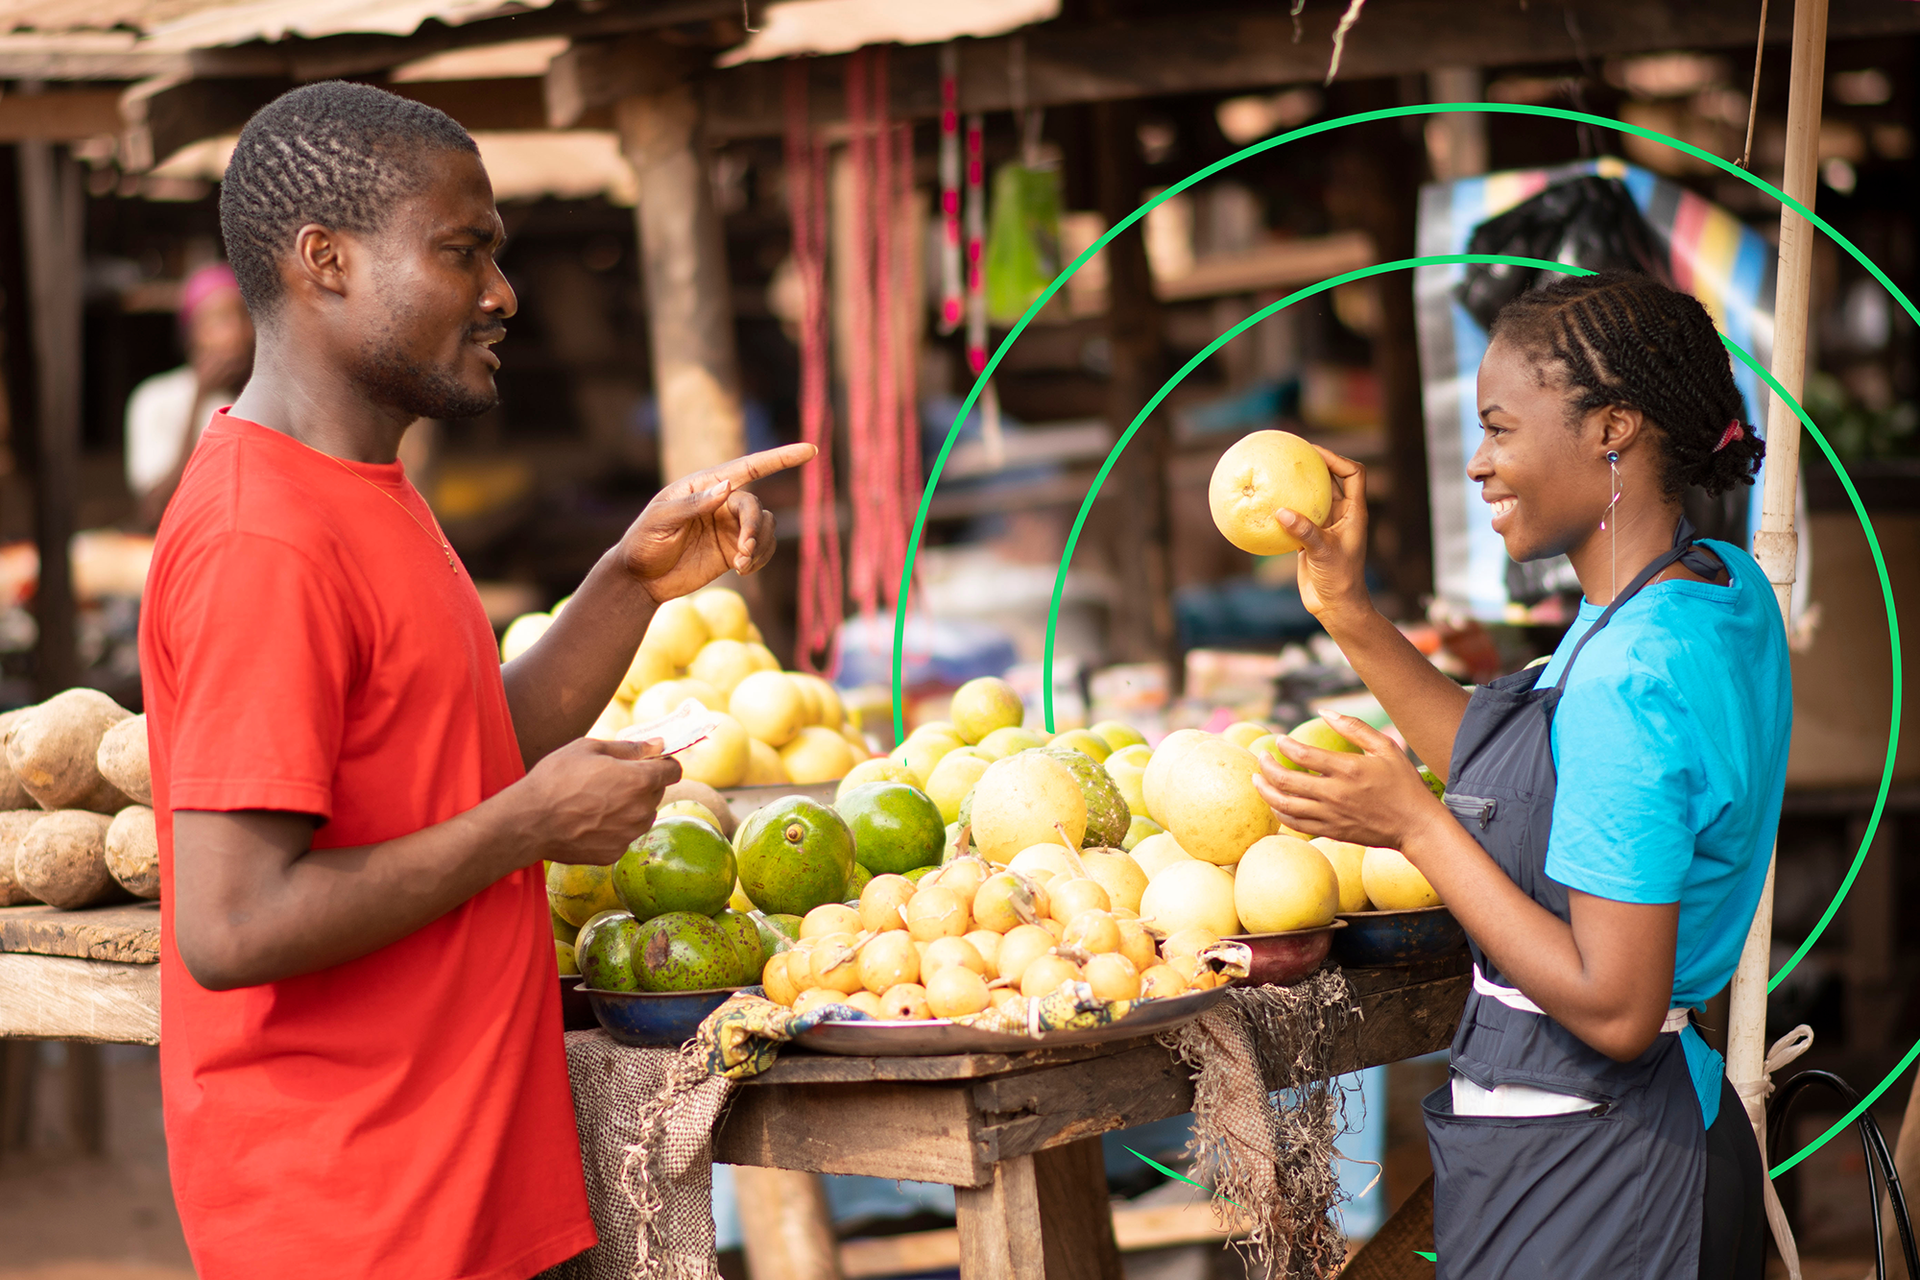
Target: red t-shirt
305 647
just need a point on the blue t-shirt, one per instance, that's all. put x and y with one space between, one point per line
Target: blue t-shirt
1670 743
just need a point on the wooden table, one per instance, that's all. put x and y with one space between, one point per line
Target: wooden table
1016 1135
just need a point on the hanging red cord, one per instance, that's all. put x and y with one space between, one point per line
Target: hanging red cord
859 329
952 286
907 358
885 428
820 603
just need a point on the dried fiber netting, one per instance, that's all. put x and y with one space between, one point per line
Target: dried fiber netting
1272 1156
646 1120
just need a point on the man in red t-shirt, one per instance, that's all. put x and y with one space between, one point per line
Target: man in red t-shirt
361 1056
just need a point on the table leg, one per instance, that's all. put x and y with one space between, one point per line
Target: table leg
1044 1215
785 1225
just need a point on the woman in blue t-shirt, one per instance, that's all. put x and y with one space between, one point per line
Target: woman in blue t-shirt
1608 817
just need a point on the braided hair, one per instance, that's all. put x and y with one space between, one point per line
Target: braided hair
332 153
1621 338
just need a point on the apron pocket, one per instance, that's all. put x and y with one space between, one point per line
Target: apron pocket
1568 1196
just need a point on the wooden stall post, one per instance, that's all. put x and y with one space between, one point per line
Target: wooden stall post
786 1225
696 372
52 208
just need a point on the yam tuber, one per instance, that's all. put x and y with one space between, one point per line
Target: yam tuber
12 794
62 860
133 851
54 751
122 759
13 825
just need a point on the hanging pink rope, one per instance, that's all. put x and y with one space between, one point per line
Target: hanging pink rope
820 603
907 361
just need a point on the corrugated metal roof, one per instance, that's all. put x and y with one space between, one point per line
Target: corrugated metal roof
183 24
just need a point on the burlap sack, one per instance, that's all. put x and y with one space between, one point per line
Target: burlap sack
646 1119
1265 1115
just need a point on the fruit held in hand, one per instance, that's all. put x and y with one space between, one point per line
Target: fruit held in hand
1261 474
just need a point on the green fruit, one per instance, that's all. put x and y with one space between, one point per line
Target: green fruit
917 873
793 855
681 864
577 891
746 941
857 882
953 777
1117 735
563 954
895 827
1139 829
683 951
777 933
605 954
983 705
564 930
1316 733
1107 814
1002 743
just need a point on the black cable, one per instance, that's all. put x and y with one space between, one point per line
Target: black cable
1874 1143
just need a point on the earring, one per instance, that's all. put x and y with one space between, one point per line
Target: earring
1613 466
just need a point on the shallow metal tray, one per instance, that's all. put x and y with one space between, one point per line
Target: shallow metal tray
936 1036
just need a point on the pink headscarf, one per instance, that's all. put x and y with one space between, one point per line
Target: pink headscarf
209 281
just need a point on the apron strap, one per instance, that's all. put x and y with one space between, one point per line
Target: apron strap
1512 997
1683 549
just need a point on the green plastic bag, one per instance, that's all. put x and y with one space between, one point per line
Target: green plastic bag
1023 239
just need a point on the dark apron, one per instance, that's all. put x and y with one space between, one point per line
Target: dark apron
1614 1191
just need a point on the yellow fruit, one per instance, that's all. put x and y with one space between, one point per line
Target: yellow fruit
1113 977
1317 733
1118 874
677 632
836 963
987 943
942 952
1020 948
1209 804
1346 859
1075 894
1018 802
1187 942
1007 900
1011 740
866 1002
809 698
1055 928
955 775
963 876
1283 883
1258 476
648 668
1245 732
937 913
689 809
661 699
521 634
822 699
924 748
858 741
1126 767
719 759
724 612
769 705
1139 829
763 658
1137 945
1051 857
739 901
722 664
800 965
887 960
1093 931
956 991
1393 883
879 769
764 768
1160 981
813 997
905 1003
1048 973
882 901
1086 742
1156 853
816 755
773 976
1161 764
1119 736
1190 893
984 705
830 917
577 892
616 717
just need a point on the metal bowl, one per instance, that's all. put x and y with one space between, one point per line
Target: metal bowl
576 1011
1281 959
655 1019
1374 939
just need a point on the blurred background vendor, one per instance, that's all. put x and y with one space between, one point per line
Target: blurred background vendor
166 413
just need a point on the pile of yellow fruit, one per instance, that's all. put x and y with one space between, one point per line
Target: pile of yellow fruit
970 936
775 727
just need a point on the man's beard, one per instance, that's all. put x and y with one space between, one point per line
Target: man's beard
392 380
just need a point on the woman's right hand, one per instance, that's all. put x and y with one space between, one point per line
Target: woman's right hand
1333 555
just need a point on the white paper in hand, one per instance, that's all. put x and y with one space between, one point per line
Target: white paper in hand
685 725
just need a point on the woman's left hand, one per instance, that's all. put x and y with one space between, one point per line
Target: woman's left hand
1376 798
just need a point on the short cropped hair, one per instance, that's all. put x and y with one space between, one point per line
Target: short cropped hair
332 153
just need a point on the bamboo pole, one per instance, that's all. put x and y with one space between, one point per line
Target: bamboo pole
1777 544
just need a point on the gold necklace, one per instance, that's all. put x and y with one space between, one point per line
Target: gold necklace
440 538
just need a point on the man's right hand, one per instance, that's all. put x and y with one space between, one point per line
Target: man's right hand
588 801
